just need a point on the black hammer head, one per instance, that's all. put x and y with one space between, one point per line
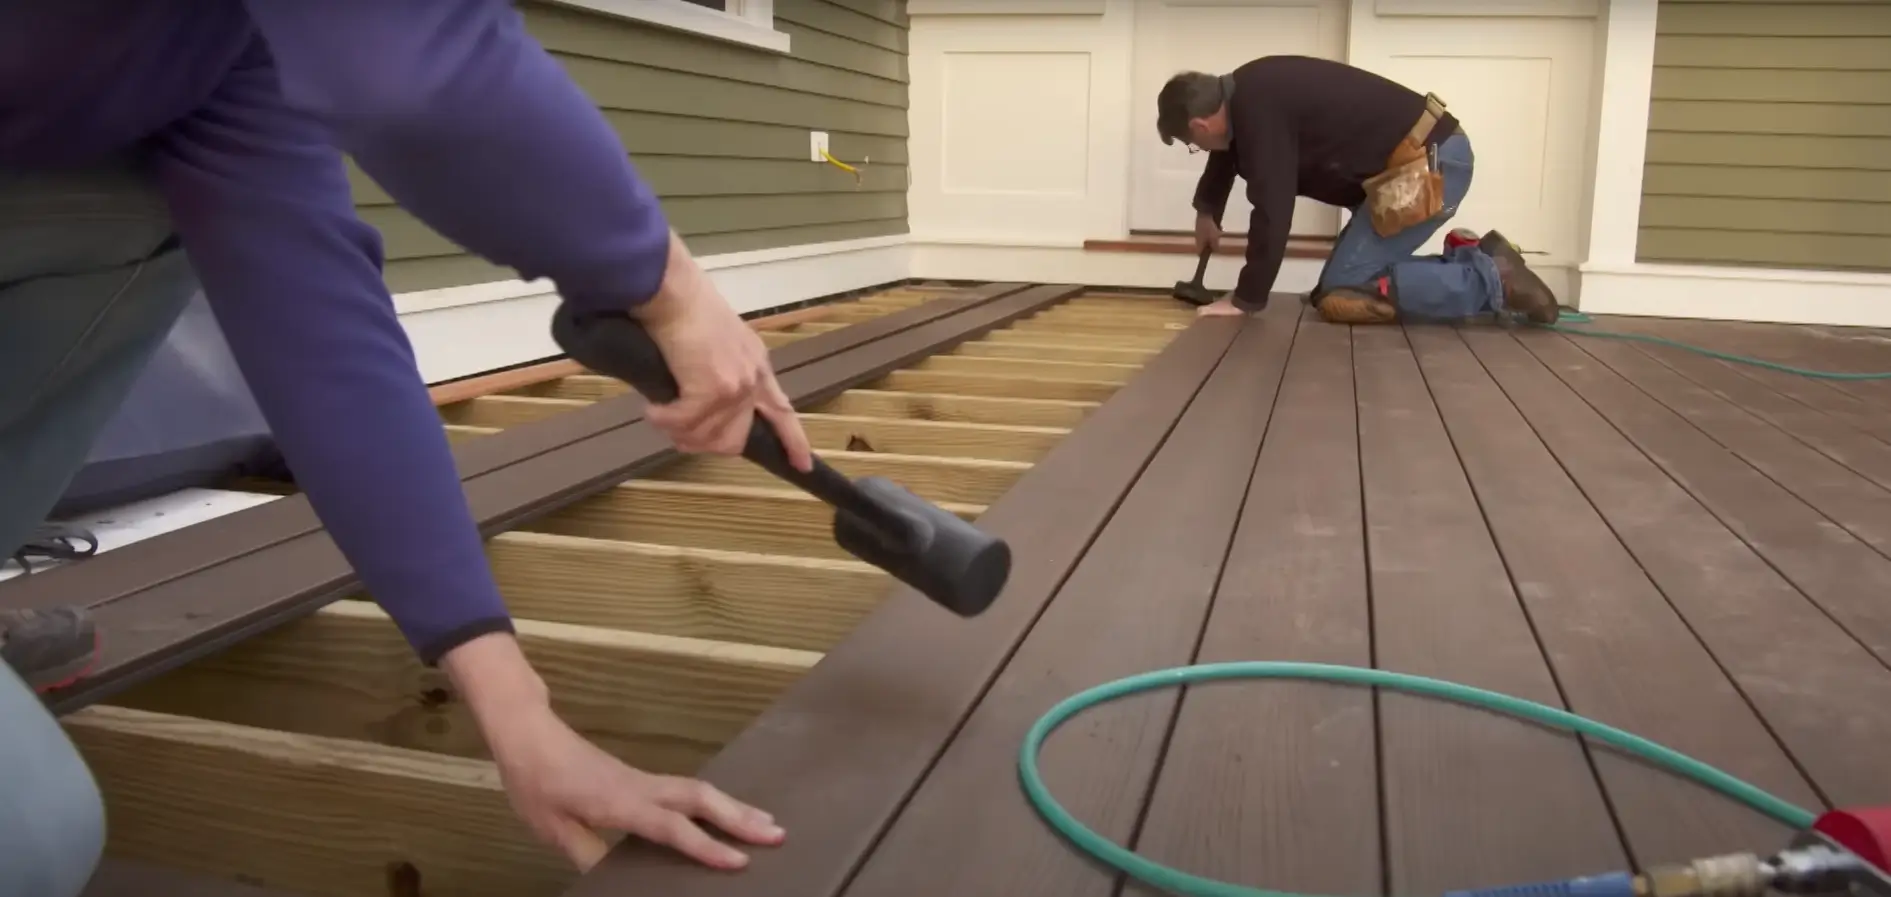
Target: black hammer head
958 566
1193 293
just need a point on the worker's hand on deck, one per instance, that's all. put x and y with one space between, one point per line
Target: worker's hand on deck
721 367
1207 234
1223 306
568 790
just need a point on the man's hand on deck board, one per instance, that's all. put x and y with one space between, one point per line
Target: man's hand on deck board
721 368
568 790
1223 306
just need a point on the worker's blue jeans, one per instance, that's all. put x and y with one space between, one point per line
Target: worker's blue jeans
91 282
1461 283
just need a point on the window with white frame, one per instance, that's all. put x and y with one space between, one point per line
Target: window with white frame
750 22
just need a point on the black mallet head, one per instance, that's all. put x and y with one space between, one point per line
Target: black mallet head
936 552
1192 291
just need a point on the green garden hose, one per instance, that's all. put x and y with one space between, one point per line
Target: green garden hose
1178 882
1571 316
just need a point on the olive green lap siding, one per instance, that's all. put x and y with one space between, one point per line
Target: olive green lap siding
1769 135
720 130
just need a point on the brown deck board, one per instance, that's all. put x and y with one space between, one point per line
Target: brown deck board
190 550
133 878
1797 346
1862 507
837 756
1503 509
1620 653
1844 576
1825 698
1458 782
1291 801
1825 432
1137 601
171 623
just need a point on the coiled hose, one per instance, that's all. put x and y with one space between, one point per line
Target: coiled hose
1183 883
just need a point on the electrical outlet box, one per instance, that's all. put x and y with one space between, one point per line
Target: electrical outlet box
817 146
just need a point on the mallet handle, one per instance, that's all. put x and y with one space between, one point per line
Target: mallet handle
616 344
1201 267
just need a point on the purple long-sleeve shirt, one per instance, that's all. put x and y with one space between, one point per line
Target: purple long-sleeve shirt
244 110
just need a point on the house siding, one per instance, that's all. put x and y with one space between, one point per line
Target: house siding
720 131
1769 135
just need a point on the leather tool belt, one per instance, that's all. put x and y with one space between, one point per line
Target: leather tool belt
1411 189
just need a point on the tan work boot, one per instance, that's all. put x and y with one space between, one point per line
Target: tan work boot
1524 292
1356 305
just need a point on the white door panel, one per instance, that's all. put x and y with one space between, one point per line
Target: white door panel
1215 36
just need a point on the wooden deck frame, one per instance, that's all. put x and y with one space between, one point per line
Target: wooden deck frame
162 626
129 570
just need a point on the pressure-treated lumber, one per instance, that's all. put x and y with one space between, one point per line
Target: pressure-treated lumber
289 810
152 562
886 699
664 703
666 612
175 620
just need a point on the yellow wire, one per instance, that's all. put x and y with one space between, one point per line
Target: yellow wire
838 163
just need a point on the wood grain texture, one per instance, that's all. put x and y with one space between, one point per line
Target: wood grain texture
1619 651
1104 623
662 703
182 618
1823 695
1456 780
152 562
1282 802
838 755
325 817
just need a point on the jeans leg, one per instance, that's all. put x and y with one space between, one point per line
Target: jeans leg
1458 284
91 280
52 821
1461 283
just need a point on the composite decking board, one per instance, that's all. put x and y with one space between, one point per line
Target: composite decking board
1784 345
1460 785
1826 699
1843 575
1276 784
1136 601
121 572
171 623
840 752
1844 497
1620 653
1857 450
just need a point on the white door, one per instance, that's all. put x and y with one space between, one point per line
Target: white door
1215 36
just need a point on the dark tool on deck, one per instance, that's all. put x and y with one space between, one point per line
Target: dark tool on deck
1192 291
875 519
1845 853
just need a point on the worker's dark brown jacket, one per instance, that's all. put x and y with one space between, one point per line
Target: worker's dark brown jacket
1309 127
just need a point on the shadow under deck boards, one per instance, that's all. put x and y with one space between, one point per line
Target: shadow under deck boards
1693 551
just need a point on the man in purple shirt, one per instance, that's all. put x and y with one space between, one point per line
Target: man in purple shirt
149 148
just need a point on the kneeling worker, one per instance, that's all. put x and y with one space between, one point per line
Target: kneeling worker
1298 126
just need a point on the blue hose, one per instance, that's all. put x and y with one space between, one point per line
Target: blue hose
1571 316
1182 883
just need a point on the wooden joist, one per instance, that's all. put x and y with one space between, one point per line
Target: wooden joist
248 726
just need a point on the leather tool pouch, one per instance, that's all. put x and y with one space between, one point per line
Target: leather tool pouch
1409 191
